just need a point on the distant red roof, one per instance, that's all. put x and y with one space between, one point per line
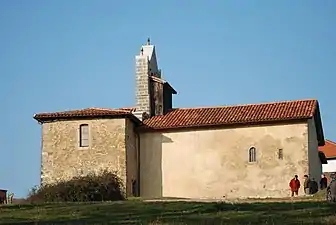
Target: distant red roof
329 149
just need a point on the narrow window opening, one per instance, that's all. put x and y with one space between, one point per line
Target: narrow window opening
280 154
84 135
252 155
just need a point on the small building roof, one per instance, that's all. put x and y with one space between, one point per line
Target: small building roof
161 81
85 113
329 149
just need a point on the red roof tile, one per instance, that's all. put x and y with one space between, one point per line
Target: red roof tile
228 115
88 112
329 149
128 109
211 116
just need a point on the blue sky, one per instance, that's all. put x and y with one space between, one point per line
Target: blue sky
60 55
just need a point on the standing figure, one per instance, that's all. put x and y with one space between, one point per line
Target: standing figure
294 184
323 182
332 188
313 186
306 184
10 198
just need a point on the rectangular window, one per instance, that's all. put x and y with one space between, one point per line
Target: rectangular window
280 154
252 154
84 135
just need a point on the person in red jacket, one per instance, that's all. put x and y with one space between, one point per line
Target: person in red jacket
294 184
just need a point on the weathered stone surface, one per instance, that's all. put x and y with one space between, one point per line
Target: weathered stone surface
142 84
132 159
62 158
156 90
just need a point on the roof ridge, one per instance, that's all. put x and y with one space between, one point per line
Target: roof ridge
98 108
158 79
250 104
82 109
66 110
109 109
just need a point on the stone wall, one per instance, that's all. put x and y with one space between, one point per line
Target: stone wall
156 90
214 163
62 158
132 159
315 165
142 85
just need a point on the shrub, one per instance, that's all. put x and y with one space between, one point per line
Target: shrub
105 186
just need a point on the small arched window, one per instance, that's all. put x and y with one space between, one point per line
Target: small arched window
252 154
84 135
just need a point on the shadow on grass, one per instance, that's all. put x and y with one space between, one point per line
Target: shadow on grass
137 212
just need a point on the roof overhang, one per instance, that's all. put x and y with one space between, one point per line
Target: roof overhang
331 157
164 83
322 157
173 91
86 117
318 126
144 128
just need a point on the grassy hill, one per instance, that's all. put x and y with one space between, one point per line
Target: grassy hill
271 211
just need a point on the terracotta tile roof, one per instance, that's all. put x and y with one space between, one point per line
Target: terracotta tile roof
88 112
204 117
329 149
229 115
128 109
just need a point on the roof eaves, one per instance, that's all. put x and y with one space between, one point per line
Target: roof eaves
164 82
318 124
170 87
148 128
322 157
46 118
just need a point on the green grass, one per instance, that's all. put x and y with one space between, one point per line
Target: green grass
320 195
140 212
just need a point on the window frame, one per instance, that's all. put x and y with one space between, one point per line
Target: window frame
252 155
280 154
81 143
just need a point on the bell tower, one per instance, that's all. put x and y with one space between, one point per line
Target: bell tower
149 95
146 65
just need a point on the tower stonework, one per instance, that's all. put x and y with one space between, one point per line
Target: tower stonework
153 95
146 66
142 85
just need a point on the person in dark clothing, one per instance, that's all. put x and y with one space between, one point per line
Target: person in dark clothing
323 182
306 185
294 184
313 187
332 187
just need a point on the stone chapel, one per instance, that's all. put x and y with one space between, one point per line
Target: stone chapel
208 152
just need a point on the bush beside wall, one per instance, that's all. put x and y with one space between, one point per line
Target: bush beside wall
105 186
